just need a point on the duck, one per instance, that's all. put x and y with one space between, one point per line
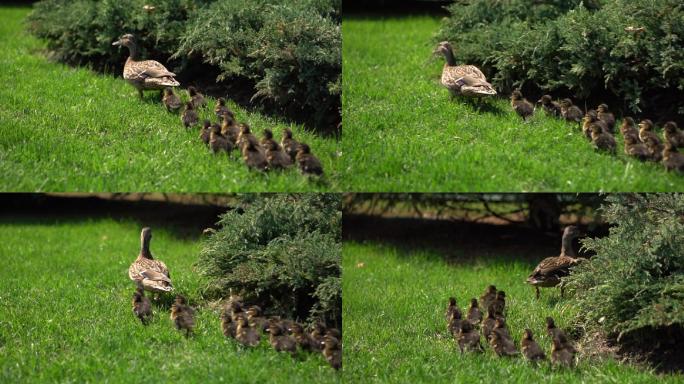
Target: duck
276 157
562 353
303 339
196 98
148 271
502 345
332 351
591 118
606 117
221 109
454 323
279 340
308 163
672 159
170 100
551 107
144 74
205 131
550 271
628 128
469 338
189 116
141 306
290 145
466 80
499 303
255 319
488 296
521 106
530 349
245 334
602 140
218 142
570 112
228 327
254 156
183 315
672 134
634 147
474 315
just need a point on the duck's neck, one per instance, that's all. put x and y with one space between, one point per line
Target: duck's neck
566 246
132 52
449 55
145 248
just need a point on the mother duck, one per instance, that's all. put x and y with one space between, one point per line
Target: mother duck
152 274
550 270
466 80
144 74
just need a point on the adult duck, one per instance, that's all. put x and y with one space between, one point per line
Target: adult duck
146 270
144 74
551 270
466 80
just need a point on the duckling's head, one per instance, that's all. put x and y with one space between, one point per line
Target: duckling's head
646 125
331 342
501 295
473 302
287 133
221 101
138 295
206 124
452 301
168 91
297 329
670 127
268 134
566 103
242 320
192 91
545 100
334 332
591 115
189 106
215 129
126 40
602 108
319 328
228 118
272 146
254 310
274 327
500 322
550 323
244 129
180 300
516 95
527 334
628 122
304 148
491 289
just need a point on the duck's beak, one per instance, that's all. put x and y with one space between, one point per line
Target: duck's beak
118 42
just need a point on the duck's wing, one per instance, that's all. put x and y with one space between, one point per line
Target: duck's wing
151 68
557 267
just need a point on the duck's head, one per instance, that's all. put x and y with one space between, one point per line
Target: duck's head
595 130
501 295
602 108
168 91
146 234
274 327
297 329
527 334
571 230
126 40
646 125
334 332
215 129
591 115
268 134
180 300
670 127
192 91
443 48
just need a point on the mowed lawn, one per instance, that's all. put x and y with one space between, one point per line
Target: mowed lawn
395 331
71 129
403 132
65 313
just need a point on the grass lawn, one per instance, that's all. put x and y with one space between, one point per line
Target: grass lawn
70 129
403 132
395 329
65 313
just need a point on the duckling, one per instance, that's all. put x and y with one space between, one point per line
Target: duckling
267 138
189 115
672 159
570 112
333 351
634 148
451 308
245 334
530 349
141 306
234 307
562 353
228 327
196 98
469 338
488 296
499 303
290 145
276 157
183 315
171 101
318 334
488 323
646 131
672 134
254 156
501 328
229 128
474 314
218 142
628 128
591 118
521 106
602 140
205 132
255 319
655 147
455 321
279 341
502 346
552 330
245 136
308 163
220 109
303 339
551 107
606 117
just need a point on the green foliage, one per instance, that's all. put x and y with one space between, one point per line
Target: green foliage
282 251
572 47
636 278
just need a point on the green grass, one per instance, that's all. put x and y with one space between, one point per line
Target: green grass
395 331
403 132
70 129
65 313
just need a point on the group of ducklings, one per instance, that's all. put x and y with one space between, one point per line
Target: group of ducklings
598 126
227 134
466 331
247 326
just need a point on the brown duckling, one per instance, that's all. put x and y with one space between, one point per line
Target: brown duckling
333 351
454 323
317 334
230 128
469 338
189 115
171 101
628 128
655 147
474 315
570 112
552 330
235 307
142 308
488 323
267 138
279 340
499 303
228 326
551 107
303 339
502 345
256 320
672 134
245 334
488 296
521 106
602 140
606 117
646 130
530 349
501 327
308 163
245 136
591 118
220 109
451 307
183 315
672 159
196 98
562 353
205 132
290 145
218 142
276 157
253 155
634 147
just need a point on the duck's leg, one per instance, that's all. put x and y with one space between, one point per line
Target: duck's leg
561 289
140 92
537 289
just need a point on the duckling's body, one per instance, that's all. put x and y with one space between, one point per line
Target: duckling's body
308 163
466 80
530 349
451 308
521 106
606 117
488 324
279 340
144 74
183 315
318 335
189 116
171 101
488 297
469 338
218 142
551 107
255 319
254 156
245 334
196 98
651 140
142 308
221 109
333 351
562 353
499 303
474 315
230 129
501 327
502 345
628 128
551 270
570 112
228 327
289 145
590 119
245 136
672 159
602 140
205 132
146 270
552 330
673 135
276 157
634 148
454 323
303 339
